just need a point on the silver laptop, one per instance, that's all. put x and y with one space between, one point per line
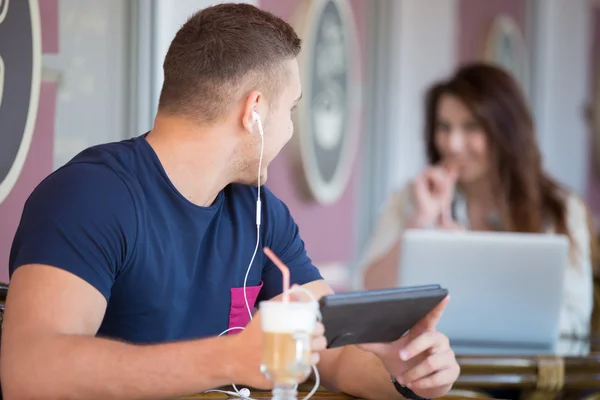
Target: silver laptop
506 289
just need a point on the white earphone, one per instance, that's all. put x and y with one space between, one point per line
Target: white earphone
244 393
256 118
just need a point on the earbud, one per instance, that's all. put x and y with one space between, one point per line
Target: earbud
243 394
258 122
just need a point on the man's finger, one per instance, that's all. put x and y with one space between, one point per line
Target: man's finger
431 320
295 294
431 364
319 343
315 358
430 340
418 345
438 379
319 329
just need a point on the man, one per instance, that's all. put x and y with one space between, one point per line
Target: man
129 261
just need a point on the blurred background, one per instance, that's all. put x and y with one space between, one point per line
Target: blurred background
101 72
75 73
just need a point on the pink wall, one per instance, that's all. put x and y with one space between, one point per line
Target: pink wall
475 20
328 232
38 163
593 193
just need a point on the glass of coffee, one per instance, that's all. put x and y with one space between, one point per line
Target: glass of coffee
287 335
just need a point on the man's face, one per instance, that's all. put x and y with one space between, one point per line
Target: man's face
278 127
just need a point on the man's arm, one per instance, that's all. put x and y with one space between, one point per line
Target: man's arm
49 350
356 372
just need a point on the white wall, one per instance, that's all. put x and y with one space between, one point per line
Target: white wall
169 16
561 87
411 44
426 52
91 69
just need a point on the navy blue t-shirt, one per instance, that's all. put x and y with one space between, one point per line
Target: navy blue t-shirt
169 269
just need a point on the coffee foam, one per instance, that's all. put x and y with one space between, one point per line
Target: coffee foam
288 318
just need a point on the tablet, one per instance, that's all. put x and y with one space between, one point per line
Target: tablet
376 316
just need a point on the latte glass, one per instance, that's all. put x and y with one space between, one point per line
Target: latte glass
287 334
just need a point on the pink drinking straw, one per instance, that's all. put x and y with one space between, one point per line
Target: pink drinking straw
285 272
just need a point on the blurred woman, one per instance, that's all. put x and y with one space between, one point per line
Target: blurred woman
485 174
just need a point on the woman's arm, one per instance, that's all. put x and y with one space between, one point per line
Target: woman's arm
578 290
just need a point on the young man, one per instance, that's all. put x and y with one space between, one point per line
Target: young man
131 259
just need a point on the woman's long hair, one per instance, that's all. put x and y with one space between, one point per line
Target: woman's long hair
529 197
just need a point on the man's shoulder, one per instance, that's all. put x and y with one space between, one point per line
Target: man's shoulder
96 175
107 166
113 154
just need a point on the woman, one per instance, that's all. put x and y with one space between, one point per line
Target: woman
485 174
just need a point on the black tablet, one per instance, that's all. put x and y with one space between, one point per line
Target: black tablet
376 316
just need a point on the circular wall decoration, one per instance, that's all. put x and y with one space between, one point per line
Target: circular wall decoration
505 46
20 70
327 121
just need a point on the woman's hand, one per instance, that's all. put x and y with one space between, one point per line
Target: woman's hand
433 191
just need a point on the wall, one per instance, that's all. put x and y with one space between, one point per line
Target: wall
38 162
426 53
557 34
593 193
562 37
84 95
91 69
167 17
406 54
328 232
476 18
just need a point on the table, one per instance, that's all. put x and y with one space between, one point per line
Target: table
267 395
572 375
303 390
317 396
322 396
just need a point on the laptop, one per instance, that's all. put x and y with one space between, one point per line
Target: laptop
506 289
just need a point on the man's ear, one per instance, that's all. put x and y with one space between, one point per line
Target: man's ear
252 105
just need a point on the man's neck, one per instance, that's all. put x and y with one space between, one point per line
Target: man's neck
198 165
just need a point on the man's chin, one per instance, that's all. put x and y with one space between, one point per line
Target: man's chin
263 177
254 181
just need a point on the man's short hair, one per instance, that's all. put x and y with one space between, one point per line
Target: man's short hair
221 54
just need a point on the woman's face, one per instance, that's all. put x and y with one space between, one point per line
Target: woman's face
461 140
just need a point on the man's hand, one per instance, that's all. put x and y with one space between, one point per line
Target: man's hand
421 360
248 345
